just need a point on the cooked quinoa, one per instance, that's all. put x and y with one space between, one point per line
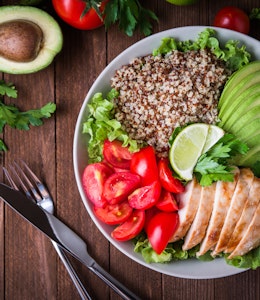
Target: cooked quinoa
159 93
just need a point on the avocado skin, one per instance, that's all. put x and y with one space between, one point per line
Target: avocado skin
239 111
52 44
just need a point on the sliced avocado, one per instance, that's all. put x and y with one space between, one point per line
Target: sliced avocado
29 39
250 158
232 84
234 104
241 86
249 130
248 104
248 116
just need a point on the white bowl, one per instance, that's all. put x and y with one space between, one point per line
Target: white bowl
192 268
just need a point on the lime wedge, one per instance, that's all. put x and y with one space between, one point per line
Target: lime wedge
187 148
214 134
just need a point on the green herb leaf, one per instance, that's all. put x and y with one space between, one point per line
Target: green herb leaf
130 15
7 89
255 14
215 164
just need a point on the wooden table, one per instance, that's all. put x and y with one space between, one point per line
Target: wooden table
29 266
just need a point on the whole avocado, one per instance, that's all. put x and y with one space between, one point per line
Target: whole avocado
29 39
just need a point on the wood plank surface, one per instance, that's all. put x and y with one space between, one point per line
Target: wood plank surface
29 266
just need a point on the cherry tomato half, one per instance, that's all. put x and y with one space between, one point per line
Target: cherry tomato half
117 155
146 196
93 180
131 227
168 181
144 164
119 185
71 12
114 214
167 202
161 228
232 18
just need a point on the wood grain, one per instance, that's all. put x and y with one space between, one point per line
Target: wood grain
29 267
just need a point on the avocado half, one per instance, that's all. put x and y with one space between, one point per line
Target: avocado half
27 21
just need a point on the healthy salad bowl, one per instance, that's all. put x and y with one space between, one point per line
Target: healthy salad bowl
122 107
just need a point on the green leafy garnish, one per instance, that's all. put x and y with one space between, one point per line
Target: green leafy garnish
12 116
215 164
102 125
255 14
130 15
232 53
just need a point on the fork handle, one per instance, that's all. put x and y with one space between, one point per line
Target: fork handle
73 275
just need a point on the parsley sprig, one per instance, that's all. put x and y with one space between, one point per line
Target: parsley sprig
129 14
12 116
216 164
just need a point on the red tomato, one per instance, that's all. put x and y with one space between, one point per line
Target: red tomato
149 213
161 228
117 155
113 214
93 180
146 196
168 181
131 227
144 164
232 18
71 12
167 202
119 185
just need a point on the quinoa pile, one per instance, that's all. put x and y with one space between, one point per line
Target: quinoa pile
159 93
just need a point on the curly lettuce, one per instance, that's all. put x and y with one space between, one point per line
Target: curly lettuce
235 55
102 125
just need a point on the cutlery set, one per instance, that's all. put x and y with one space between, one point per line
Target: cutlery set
28 196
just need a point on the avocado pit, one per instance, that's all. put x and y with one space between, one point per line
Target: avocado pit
20 40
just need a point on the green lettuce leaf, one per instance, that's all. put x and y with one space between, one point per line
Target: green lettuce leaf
101 125
235 55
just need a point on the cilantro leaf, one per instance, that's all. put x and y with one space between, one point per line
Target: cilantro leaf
130 15
215 164
255 14
7 89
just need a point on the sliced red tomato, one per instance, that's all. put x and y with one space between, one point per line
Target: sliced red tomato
117 155
168 181
149 213
161 228
114 214
146 196
232 18
93 180
118 186
167 202
72 12
131 227
144 164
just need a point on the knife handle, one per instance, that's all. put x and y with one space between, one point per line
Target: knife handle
118 287
74 277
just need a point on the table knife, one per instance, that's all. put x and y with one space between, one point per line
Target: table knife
61 234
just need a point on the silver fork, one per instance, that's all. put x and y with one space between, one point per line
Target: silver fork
34 189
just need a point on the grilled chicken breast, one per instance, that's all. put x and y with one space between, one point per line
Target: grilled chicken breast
251 238
223 195
188 205
248 212
235 209
198 228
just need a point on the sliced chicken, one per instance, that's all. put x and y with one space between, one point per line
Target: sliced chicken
237 204
223 195
200 223
251 238
188 205
246 216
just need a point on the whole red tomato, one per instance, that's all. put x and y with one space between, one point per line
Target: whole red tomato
71 12
233 18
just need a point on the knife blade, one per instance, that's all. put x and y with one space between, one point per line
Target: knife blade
61 234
